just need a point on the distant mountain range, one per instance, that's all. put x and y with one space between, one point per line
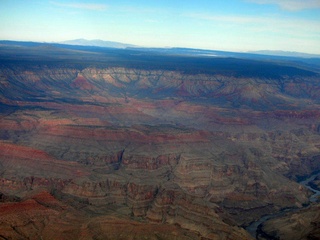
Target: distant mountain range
73 48
97 43
112 44
286 54
175 50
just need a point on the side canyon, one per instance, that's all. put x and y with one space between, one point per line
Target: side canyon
123 151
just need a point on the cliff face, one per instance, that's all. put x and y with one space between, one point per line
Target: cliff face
303 224
253 92
196 155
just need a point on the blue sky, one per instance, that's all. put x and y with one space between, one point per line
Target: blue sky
235 25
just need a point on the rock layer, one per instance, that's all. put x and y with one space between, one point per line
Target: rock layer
151 153
299 225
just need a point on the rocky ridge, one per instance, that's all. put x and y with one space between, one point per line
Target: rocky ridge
196 155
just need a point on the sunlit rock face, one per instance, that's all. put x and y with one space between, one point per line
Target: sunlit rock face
118 152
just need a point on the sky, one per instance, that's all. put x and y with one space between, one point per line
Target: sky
232 25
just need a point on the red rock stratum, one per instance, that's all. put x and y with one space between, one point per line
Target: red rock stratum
109 152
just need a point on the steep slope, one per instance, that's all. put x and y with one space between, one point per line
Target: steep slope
299 225
191 154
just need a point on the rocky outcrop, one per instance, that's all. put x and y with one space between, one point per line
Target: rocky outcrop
115 151
42 216
299 225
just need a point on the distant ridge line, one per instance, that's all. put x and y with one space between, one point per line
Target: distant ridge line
97 43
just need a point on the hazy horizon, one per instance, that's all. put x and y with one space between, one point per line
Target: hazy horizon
235 25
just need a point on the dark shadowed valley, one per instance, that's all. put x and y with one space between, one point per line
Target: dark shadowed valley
104 143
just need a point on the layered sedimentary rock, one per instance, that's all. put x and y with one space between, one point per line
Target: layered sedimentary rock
303 224
158 153
41 216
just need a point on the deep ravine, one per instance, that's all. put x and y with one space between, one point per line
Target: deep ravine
254 226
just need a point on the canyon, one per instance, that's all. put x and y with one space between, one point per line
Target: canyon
130 144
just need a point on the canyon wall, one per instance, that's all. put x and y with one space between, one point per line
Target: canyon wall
186 155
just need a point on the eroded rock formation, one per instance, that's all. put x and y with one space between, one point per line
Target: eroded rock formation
115 152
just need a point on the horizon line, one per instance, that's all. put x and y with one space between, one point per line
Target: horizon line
267 52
